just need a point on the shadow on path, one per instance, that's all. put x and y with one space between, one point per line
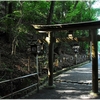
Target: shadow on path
73 84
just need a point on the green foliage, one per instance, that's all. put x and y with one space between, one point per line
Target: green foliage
26 13
22 41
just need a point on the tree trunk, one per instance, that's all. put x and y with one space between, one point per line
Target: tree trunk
8 30
76 2
49 19
14 44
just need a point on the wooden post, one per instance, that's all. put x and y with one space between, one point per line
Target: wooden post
90 51
28 62
51 50
0 58
37 72
94 61
76 58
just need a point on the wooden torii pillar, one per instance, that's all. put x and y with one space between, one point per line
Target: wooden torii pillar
94 61
51 53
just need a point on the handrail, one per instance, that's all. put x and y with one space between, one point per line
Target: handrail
19 90
18 78
10 80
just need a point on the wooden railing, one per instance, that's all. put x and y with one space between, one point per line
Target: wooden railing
18 78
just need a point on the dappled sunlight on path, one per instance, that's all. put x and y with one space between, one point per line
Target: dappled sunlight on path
81 74
72 84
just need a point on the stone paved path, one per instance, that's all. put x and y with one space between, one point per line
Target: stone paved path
73 84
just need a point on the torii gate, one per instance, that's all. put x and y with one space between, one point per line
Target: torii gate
92 26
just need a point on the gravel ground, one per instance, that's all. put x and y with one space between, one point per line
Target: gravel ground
72 84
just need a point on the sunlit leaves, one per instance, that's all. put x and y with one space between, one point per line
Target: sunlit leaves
99 46
73 12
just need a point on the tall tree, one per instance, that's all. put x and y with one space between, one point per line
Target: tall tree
50 12
9 22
